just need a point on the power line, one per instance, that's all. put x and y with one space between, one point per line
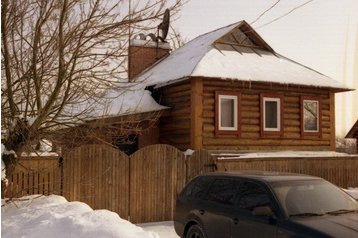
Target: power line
261 15
280 17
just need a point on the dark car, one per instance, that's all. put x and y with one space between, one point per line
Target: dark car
264 204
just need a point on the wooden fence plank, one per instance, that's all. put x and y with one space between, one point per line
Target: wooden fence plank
342 171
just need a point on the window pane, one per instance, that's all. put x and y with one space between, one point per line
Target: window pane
223 191
252 195
197 188
227 112
310 115
271 114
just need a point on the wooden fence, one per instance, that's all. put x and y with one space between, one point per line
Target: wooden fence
143 187
342 171
35 175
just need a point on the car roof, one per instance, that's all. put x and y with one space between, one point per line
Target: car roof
268 176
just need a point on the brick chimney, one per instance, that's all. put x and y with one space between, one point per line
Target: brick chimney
143 53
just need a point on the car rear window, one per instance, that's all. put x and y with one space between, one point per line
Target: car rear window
223 191
252 195
197 188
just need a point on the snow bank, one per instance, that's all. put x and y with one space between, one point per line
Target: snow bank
53 216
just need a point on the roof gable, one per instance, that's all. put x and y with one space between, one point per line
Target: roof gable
244 35
353 132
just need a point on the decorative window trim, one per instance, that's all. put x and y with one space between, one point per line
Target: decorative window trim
276 98
304 132
237 114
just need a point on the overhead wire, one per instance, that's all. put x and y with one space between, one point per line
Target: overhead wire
267 10
284 15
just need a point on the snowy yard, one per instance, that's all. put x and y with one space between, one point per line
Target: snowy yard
53 216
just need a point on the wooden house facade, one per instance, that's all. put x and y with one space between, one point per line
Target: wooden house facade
229 90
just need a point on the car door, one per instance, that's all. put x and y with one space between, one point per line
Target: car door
246 224
218 208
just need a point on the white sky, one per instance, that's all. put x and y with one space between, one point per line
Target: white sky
322 35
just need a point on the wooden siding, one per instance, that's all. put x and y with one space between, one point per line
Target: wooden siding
175 127
250 137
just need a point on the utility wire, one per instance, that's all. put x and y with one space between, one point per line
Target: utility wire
280 17
267 10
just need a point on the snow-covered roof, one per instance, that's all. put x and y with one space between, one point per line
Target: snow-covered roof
117 102
220 54
128 102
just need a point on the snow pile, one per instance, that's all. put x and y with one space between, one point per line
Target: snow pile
53 216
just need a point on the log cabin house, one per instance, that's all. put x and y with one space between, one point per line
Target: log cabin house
229 90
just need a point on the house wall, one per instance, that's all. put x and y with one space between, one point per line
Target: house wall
175 125
250 137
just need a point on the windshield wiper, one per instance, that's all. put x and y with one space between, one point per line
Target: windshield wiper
307 214
341 211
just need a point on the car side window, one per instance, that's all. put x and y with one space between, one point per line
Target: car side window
197 188
223 191
252 195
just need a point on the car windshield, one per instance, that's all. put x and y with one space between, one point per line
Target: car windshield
313 198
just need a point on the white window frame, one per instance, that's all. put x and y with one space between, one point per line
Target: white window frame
232 97
303 114
272 99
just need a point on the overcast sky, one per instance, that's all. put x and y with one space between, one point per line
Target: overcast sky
322 34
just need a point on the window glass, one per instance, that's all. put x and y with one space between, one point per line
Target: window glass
197 188
227 112
223 191
271 114
312 196
310 115
252 195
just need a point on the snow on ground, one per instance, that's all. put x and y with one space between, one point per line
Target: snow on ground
53 216
281 154
165 229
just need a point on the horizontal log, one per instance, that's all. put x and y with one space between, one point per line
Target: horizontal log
246 108
186 93
250 128
250 115
265 142
183 86
266 148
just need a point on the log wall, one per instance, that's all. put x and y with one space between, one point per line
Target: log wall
250 138
175 126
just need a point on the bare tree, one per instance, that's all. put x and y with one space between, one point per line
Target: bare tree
57 54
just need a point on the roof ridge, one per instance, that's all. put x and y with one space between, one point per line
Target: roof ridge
230 26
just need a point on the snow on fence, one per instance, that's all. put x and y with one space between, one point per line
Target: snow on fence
143 187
